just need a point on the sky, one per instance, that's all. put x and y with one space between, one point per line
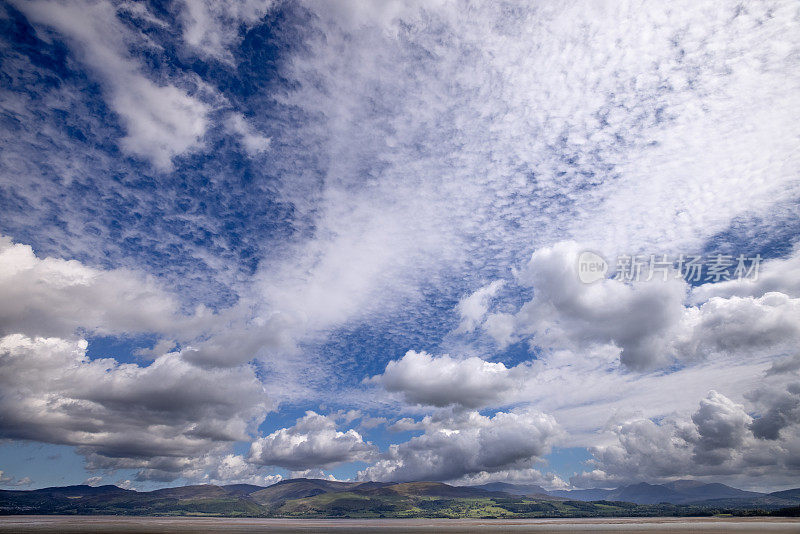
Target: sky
247 241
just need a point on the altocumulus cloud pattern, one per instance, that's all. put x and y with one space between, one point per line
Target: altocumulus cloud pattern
249 240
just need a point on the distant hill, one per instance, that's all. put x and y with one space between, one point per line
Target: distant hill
203 491
787 494
691 489
428 489
242 489
307 498
684 492
297 488
514 489
595 494
81 490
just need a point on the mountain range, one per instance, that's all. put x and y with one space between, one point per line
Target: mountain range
303 497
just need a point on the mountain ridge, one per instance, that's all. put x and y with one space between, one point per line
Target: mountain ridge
304 497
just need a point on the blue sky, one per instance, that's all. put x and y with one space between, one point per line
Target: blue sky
248 240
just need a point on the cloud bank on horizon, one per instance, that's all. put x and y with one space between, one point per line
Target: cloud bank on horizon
248 240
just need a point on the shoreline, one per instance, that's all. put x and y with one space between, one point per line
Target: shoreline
148 524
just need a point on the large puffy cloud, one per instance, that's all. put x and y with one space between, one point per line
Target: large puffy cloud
169 419
719 441
52 297
566 313
216 467
235 469
313 442
161 120
652 323
740 325
777 400
722 426
161 417
55 297
514 476
468 444
444 381
775 275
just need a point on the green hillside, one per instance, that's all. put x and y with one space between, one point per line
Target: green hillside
309 498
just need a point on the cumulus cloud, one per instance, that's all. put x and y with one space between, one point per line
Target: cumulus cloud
55 297
564 312
468 444
313 442
717 441
722 426
778 275
652 323
528 476
740 325
235 469
445 381
777 400
161 120
52 297
158 417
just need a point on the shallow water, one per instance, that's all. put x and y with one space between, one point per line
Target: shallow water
97 524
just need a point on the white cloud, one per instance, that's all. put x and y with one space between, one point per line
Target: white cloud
722 425
556 122
93 481
444 381
158 417
473 307
353 16
651 322
452 145
52 297
161 120
468 444
235 469
313 442
777 399
637 318
717 442
780 275
8 480
741 325
253 142
55 297
549 481
213 28
125 484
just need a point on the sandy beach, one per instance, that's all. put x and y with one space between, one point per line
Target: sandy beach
98 524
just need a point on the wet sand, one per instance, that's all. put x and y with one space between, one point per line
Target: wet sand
147 525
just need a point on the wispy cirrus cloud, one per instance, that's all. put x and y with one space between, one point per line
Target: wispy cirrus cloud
357 190
161 120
